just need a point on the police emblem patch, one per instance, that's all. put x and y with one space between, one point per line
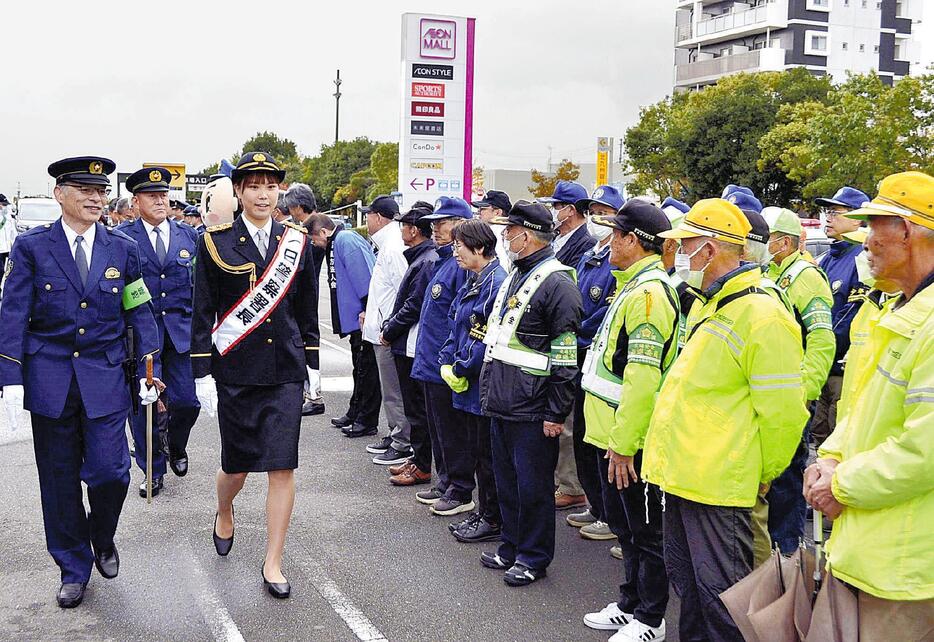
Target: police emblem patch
155 176
785 282
436 290
836 285
595 293
112 273
513 302
96 167
473 319
259 158
598 193
183 253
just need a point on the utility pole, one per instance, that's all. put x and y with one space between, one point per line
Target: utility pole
337 106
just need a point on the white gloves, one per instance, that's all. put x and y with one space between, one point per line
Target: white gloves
314 383
147 395
206 391
13 404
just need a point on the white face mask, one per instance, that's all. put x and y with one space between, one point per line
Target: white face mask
694 278
863 272
599 232
514 255
556 216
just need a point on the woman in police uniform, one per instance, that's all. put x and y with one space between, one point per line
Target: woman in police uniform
255 329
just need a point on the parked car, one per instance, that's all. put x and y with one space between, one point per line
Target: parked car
816 241
34 211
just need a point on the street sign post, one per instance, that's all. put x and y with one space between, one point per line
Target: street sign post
604 149
436 123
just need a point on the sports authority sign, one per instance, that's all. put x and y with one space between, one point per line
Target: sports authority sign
436 157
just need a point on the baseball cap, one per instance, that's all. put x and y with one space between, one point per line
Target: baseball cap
383 205
450 207
760 228
848 197
736 189
533 216
782 220
494 198
909 195
603 195
745 202
714 218
640 217
565 192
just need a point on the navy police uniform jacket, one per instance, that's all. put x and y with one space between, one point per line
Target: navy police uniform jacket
464 348
597 285
409 298
169 284
278 350
53 329
435 321
574 248
839 263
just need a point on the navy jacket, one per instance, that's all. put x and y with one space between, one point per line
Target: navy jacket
597 285
278 350
464 348
435 321
53 329
574 248
411 295
169 284
839 263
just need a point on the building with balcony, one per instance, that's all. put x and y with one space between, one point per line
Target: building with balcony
714 38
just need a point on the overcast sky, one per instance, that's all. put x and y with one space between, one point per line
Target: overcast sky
189 82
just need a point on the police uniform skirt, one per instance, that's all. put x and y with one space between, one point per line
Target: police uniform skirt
259 426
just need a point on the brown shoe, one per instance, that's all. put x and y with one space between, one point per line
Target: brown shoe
410 477
398 469
564 501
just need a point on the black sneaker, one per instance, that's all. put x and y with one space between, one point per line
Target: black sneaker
156 487
428 497
392 456
359 430
447 507
479 531
470 519
380 446
494 561
522 575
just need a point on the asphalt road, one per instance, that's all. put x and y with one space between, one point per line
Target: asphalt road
365 560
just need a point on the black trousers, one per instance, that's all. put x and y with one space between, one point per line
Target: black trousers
586 456
441 414
524 462
413 402
486 480
707 550
634 515
366 398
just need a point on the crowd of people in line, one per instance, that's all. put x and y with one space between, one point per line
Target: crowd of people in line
667 370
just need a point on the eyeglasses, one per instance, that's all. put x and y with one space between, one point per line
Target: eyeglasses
87 191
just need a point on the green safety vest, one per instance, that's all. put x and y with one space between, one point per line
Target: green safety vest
501 341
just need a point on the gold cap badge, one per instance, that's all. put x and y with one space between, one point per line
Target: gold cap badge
96 168
155 176
259 158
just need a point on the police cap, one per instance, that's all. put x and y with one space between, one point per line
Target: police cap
149 179
82 170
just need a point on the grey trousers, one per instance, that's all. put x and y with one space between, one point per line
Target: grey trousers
399 428
566 471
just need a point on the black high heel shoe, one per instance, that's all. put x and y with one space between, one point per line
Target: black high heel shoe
279 590
221 545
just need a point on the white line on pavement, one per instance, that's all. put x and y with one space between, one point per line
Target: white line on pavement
334 346
352 616
215 614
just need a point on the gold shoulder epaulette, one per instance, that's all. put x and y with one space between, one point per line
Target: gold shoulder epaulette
220 227
295 226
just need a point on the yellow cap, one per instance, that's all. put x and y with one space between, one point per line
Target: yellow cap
714 218
906 194
857 236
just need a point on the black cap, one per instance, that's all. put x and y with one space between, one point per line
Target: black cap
416 216
494 198
760 227
83 170
178 205
191 210
3 200
384 206
533 216
149 179
257 162
642 218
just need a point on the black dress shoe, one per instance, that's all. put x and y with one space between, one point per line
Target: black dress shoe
522 575
156 487
359 430
179 463
341 422
107 562
312 407
479 531
221 545
279 590
70 595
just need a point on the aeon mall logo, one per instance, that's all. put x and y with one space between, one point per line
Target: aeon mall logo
438 38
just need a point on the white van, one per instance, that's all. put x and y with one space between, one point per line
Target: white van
34 211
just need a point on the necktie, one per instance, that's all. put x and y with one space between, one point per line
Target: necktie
160 246
81 260
261 242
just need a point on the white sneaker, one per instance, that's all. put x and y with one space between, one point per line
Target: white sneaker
610 618
636 631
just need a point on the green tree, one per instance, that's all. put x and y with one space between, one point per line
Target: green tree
282 149
543 184
384 168
866 131
333 168
652 160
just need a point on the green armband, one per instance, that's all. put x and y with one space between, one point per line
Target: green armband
646 345
135 294
564 350
816 316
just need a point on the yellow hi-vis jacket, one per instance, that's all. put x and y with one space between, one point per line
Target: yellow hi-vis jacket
882 542
731 410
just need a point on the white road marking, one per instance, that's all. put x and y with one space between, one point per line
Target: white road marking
334 346
336 384
359 624
215 614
